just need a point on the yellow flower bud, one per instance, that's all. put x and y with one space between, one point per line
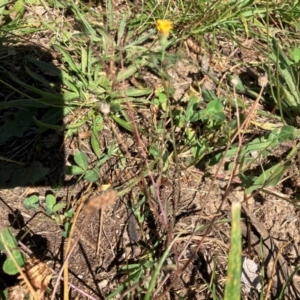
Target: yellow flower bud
164 27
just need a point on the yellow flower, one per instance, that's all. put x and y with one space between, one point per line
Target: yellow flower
164 26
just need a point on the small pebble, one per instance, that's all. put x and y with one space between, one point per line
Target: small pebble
102 284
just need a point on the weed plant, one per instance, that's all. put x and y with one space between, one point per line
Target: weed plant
100 56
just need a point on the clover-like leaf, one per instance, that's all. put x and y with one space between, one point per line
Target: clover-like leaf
81 160
31 202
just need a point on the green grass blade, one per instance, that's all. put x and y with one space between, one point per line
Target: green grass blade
128 126
67 58
233 283
157 271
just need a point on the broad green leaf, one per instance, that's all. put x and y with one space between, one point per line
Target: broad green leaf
47 98
44 66
295 54
31 202
9 266
213 107
50 202
140 40
81 160
73 170
69 213
3 4
208 95
19 6
91 176
65 77
58 207
286 133
191 108
8 238
98 122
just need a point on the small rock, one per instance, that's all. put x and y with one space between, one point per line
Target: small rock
102 284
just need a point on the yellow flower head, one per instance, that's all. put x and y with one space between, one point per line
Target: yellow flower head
164 26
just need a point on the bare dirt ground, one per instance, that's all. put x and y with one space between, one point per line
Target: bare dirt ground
98 276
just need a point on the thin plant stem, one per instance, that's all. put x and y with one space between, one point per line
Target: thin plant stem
142 151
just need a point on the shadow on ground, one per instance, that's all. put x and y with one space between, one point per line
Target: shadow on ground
31 113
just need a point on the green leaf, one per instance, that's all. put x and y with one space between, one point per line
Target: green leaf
295 54
154 151
84 22
123 123
37 77
132 92
31 202
52 116
9 266
81 160
157 271
94 140
8 238
214 106
3 4
125 74
67 58
191 108
50 202
58 207
121 29
5 292
15 124
73 170
19 6
269 177
59 127
208 95
67 227
98 123
69 213
47 98
84 60
286 133
237 83
134 276
91 176
233 282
